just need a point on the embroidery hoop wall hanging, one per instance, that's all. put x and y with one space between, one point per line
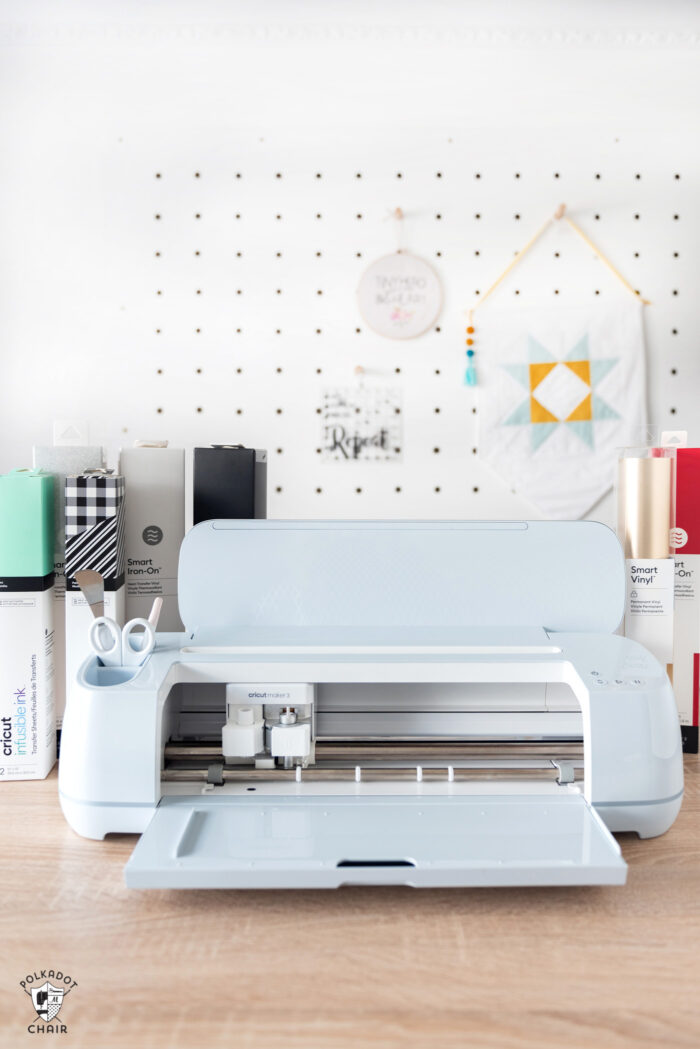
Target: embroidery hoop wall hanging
399 295
559 215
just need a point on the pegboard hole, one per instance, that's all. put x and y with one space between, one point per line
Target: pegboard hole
239 371
358 491
438 216
157 254
636 254
278 216
200 409
359 215
474 451
318 491
159 371
437 488
676 176
399 175
517 217
674 371
238 214
319 215
437 371
475 489
239 411
477 253
436 451
636 217
278 370
673 411
556 254
278 489
438 254
438 174
674 331
196 174
597 218
318 254
478 215
597 176
158 175
198 253
198 215
397 370
318 331
278 175
637 176
358 254
278 331
158 331
398 488
279 451
318 174
436 410
517 174
675 254
358 175
238 175
159 411
157 216
198 371
676 217
278 254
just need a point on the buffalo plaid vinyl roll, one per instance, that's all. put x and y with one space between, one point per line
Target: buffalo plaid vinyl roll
95 527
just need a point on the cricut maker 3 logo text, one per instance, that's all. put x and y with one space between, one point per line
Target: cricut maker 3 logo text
47 989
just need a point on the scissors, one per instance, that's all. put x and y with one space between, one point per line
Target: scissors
117 647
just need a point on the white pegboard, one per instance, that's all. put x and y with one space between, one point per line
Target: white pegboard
188 268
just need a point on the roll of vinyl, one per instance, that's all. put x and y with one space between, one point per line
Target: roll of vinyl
645 501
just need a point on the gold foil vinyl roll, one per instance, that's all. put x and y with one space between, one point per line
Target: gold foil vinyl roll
644 506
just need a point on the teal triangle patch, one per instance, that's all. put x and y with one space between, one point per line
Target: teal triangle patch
537 353
580 350
520 373
520 416
540 432
584 430
602 410
599 369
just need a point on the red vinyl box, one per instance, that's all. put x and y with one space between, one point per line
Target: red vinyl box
685 539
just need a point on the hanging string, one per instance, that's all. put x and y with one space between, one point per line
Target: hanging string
470 373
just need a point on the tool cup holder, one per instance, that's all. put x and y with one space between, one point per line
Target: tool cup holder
97 676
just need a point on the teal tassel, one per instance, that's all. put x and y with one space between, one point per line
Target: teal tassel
470 375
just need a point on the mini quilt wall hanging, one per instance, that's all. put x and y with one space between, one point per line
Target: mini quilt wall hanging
561 390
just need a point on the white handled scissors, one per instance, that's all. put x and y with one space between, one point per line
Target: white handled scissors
122 648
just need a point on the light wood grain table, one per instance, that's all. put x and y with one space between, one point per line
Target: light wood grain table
594 967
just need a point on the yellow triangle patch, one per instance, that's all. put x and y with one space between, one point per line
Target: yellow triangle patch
540 371
539 414
582 369
584 411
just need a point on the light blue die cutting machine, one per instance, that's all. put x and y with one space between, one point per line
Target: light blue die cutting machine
419 703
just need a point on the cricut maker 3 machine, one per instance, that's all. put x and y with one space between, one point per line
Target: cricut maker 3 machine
419 703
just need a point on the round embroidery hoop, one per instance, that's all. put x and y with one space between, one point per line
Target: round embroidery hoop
400 296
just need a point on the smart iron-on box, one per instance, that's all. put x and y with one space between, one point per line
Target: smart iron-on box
419 703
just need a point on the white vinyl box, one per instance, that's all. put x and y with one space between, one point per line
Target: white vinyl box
155 527
61 461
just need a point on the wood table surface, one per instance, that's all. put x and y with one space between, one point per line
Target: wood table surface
594 967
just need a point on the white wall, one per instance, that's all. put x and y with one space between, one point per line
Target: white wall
97 99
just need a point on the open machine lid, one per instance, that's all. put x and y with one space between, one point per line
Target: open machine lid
560 575
290 842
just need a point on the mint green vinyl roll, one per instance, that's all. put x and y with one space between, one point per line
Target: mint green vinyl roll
26 523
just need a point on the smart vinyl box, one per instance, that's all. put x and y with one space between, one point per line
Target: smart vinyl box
61 461
27 713
154 476
94 520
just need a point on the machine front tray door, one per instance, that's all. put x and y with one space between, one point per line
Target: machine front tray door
278 842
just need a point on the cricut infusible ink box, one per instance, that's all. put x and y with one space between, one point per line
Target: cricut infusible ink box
94 539
61 461
685 538
27 714
155 527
